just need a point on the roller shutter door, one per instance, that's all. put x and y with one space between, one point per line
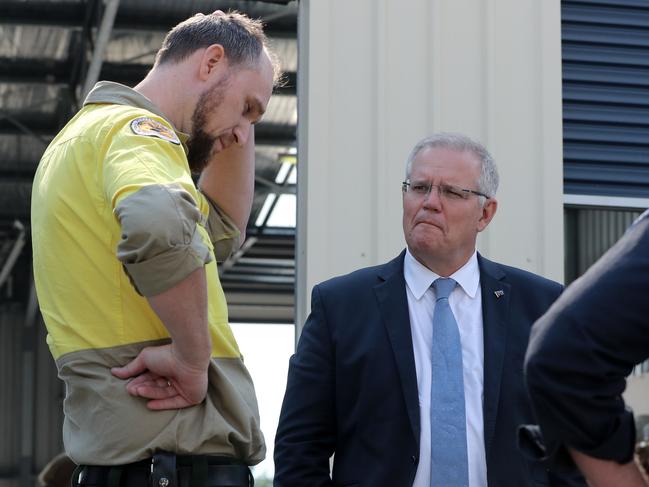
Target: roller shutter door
605 48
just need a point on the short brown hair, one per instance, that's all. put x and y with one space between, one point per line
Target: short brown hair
242 38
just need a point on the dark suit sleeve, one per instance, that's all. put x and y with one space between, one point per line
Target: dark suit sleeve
305 437
582 349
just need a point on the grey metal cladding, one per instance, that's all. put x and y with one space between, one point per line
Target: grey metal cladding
605 54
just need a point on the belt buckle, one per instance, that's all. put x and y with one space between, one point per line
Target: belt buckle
163 470
79 475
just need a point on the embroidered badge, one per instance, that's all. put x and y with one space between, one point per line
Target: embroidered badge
152 128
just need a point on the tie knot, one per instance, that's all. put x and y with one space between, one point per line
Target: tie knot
443 287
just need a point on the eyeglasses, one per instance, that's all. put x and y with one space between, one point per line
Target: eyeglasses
422 189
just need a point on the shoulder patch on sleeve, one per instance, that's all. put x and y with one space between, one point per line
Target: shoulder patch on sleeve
152 128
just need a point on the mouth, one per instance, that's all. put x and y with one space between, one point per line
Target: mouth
427 223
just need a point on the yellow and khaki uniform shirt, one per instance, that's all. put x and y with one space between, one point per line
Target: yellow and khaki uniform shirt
116 217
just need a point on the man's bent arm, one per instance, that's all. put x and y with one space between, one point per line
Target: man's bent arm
229 181
183 311
580 353
175 376
607 473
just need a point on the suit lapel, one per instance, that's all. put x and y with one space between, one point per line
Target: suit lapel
495 318
393 305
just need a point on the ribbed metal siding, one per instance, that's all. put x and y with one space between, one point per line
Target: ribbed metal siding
590 233
10 374
48 407
48 392
606 97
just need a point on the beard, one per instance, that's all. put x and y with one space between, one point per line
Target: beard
200 143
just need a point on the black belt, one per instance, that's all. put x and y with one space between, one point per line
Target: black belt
167 470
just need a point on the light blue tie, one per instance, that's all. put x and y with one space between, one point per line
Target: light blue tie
449 460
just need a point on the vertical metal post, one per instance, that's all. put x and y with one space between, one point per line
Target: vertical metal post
301 291
14 254
103 36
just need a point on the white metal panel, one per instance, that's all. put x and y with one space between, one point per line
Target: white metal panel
376 76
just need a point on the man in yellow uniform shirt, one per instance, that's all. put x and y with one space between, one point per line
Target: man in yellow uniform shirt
125 250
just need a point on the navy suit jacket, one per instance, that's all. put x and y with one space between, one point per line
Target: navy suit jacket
584 347
352 385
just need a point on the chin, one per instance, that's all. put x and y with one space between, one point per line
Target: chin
423 244
426 233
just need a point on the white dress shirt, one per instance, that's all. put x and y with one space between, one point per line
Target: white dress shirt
466 304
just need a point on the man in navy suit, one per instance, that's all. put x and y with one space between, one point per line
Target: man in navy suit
362 385
580 354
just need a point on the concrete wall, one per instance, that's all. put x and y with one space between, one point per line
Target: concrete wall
378 75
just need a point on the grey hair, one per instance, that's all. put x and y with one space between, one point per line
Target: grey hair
488 180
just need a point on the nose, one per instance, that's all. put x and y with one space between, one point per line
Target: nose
433 201
242 132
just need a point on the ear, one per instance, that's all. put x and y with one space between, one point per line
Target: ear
212 60
488 212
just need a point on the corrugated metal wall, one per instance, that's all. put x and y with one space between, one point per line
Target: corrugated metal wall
606 97
11 318
48 407
590 233
30 434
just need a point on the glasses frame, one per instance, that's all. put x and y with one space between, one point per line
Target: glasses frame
405 187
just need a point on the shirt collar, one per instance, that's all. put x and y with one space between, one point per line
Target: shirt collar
419 277
119 94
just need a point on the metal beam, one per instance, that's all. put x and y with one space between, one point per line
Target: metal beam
274 187
232 260
103 36
253 313
42 13
18 245
39 124
25 170
15 199
30 123
14 121
136 16
57 72
232 281
284 2
50 71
